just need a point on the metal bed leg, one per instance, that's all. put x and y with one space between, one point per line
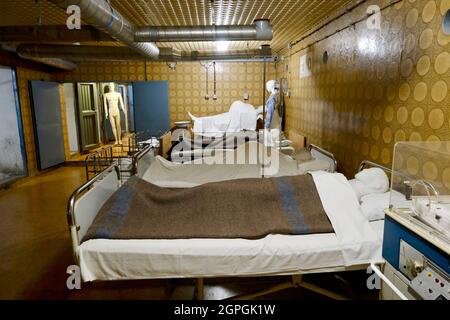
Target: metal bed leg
296 282
199 293
279 287
170 288
322 291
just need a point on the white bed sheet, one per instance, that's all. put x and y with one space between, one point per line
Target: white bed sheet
167 174
355 242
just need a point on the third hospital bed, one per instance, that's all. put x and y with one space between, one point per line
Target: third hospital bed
353 243
191 150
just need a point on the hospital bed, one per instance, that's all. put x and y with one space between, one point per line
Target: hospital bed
355 244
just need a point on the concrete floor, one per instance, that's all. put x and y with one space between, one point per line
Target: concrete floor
35 250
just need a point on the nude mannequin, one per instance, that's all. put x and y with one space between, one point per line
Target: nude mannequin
111 101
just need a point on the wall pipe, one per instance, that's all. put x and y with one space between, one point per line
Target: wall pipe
105 53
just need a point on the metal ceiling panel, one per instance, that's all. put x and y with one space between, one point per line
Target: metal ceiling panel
289 18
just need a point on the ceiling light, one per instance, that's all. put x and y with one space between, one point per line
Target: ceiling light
222 45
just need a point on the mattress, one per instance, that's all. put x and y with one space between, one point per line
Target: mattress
355 242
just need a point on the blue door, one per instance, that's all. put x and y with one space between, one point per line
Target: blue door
151 108
47 124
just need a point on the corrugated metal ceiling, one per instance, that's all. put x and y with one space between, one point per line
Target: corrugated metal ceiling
290 18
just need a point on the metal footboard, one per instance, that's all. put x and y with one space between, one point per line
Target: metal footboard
125 157
86 201
324 154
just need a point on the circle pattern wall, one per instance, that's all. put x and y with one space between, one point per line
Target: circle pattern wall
187 83
378 87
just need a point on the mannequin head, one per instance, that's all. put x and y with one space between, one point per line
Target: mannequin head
106 89
272 86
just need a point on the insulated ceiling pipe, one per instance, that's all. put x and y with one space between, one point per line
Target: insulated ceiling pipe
103 53
53 62
261 30
88 53
51 34
103 16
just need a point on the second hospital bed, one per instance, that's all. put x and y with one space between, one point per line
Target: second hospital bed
355 243
236 164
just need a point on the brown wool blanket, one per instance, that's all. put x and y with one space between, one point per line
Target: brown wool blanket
246 208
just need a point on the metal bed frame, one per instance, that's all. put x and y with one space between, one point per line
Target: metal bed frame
124 156
313 149
367 163
111 175
316 151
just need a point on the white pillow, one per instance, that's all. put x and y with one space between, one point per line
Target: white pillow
373 205
359 188
374 179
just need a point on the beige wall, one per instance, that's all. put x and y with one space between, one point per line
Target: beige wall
186 88
379 86
187 84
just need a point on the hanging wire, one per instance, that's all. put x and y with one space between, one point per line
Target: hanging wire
215 86
39 9
246 95
206 65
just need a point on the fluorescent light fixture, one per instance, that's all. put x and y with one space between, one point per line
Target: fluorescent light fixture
222 45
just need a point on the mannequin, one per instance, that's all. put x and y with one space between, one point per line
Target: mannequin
273 120
111 101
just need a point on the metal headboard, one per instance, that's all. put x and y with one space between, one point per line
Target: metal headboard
367 163
325 153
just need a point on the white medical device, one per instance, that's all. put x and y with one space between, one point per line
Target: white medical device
416 244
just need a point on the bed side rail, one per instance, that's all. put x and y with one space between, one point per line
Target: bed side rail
320 153
142 160
86 201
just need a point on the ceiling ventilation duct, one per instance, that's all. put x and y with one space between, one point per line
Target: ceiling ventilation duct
102 53
261 30
103 16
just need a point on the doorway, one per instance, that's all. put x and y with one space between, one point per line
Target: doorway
146 110
12 155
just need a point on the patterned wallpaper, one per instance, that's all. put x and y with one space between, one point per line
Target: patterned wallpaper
187 84
378 86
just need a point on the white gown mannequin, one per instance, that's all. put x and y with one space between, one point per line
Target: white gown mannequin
111 101
272 86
